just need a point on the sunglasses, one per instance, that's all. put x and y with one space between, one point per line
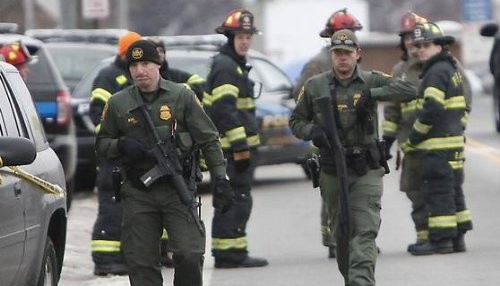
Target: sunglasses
347 42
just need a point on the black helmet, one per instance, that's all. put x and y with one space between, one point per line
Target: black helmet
238 20
431 33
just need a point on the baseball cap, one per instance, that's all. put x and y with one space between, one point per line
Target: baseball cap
142 51
345 40
126 40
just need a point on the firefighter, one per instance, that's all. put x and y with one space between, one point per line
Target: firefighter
321 62
106 246
354 93
17 55
399 119
438 134
177 116
229 101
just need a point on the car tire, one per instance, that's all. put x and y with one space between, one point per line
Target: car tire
49 273
496 106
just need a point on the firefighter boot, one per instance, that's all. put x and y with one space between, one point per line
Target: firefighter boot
246 262
431 247
459 243
413 245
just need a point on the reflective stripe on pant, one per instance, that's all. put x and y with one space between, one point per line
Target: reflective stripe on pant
229 229
464 220
357 257
438 191
146 214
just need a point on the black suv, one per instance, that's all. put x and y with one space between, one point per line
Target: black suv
53 103
33 214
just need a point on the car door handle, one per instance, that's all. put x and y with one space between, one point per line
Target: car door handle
17 190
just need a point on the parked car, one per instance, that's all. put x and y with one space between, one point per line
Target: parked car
33 214
53 103
76 52
193 54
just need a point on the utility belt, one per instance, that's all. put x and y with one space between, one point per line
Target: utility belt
358 159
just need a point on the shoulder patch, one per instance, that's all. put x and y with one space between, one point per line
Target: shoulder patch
301 94
104 111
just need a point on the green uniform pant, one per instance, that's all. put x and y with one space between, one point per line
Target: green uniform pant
146 214
327 235
357 255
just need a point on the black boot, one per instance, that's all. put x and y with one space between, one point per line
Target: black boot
246 262
459 243
332 251
418 242
431 247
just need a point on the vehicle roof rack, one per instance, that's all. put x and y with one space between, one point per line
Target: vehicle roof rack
103 36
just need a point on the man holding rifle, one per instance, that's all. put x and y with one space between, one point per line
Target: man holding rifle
153 128
351 156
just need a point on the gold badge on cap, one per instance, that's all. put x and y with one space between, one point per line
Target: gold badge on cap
342 36
165 112
137 53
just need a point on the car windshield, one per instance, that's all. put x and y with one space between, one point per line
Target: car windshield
74 62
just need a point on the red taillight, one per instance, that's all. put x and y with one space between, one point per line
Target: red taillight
64 111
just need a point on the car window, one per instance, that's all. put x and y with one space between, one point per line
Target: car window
28 109
40 70
272 78
195 65
9 118
75 62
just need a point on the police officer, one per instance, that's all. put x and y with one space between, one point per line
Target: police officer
438 134
399 120
355 92
106 247
194 81
322 62
17 55
175 112
229 101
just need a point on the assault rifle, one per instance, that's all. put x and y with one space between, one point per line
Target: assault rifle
328 124
167 165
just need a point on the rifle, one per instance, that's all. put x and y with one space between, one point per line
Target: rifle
328 123
167 164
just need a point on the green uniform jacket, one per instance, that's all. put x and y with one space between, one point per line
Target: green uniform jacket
382 87
174 103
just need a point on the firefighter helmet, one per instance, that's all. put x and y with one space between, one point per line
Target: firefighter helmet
431 33
238 20
15 54
409 21
340 19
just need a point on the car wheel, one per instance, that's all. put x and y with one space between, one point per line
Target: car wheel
49 274
496 106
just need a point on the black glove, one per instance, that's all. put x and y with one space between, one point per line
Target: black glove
132 148
241 160
388 141
319 138
365 103
223 195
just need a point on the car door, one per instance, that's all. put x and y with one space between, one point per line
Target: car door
12 226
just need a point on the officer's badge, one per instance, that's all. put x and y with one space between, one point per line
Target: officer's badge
165 112
132 120
355 98
137 53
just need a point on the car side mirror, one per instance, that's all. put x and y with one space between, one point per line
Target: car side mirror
488 30
16 151
257 89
